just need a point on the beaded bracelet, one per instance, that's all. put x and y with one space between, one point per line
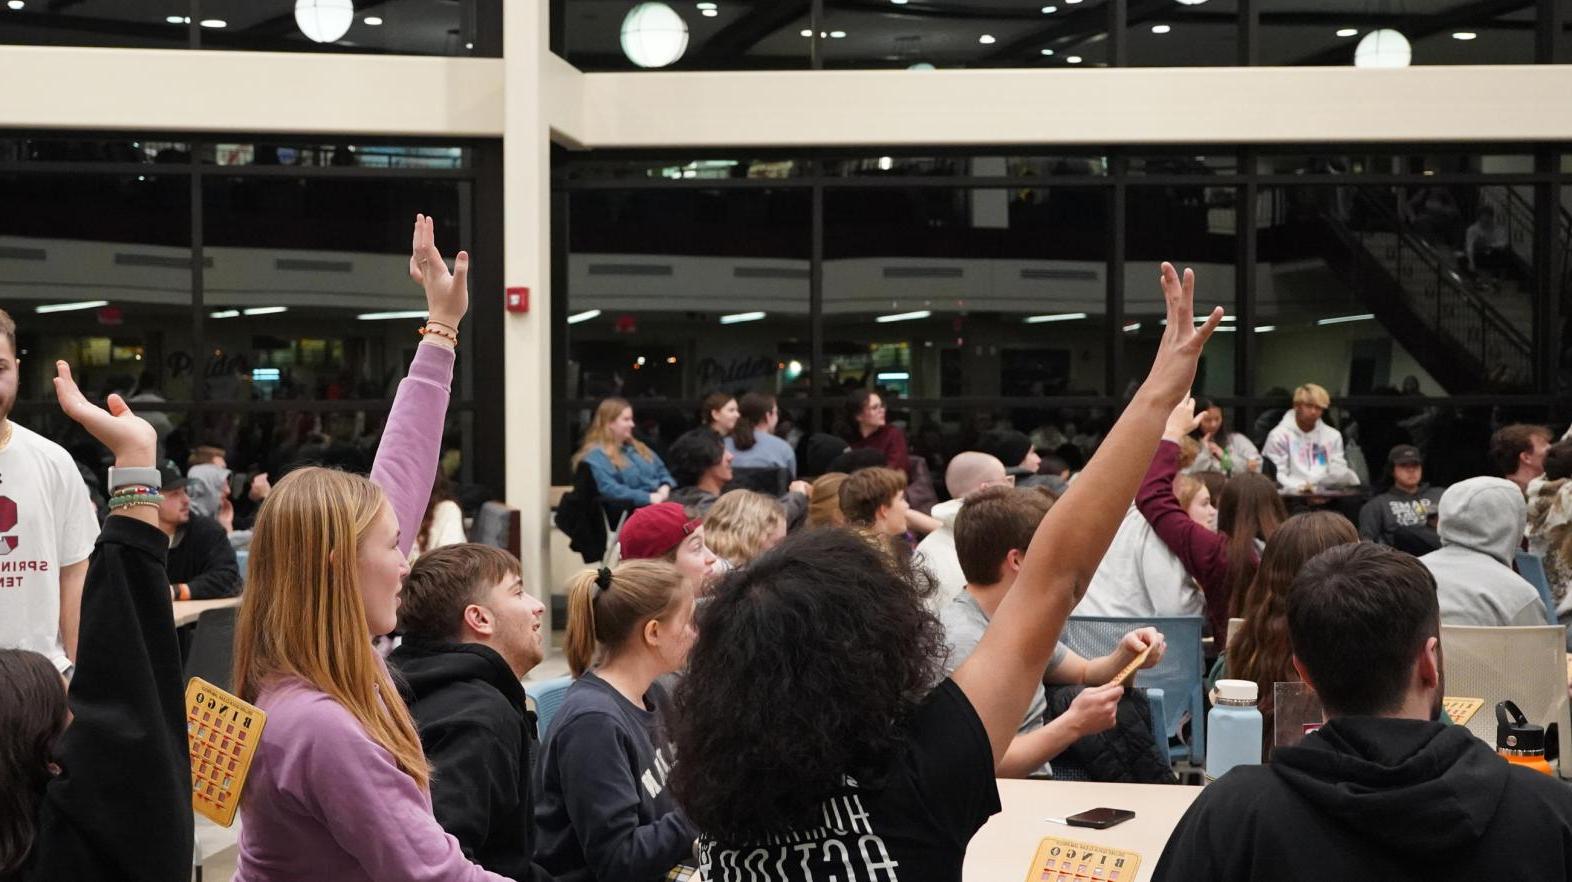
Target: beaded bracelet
114 506
446 335
134 489
125 499
442 325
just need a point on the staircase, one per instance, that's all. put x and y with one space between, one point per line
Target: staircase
1470 336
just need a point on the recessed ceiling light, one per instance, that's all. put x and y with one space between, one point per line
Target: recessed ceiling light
837 35
1072 2
807 32
1072 59
1047 51
898 2
1464 35
708 13
1348 32
173 19
15 4
469 45
1050 10
214 23
1161 29
986 39
703 6
373 21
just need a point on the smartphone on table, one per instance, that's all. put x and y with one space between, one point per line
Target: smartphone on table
1099 818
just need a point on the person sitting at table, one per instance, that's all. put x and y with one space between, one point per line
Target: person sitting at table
1307 453
752 440
742 525
874 503
339 786
865 426
605 811
968 472
1382 790
95 784
471 633
991 536
1408 504
202 563
626 469
1550 525
665 532
719 413
1517 453
1481 527
1221 448
702 466
810 691
1260 651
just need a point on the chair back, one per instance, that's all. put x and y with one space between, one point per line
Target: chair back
212 655
769 480
548 695
497 525
1181 674
1525 664
1532 568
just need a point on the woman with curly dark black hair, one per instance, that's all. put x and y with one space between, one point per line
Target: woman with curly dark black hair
811 739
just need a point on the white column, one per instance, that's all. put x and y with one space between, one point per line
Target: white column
527 262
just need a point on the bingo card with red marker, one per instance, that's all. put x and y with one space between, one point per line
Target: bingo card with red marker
1065 860
222 732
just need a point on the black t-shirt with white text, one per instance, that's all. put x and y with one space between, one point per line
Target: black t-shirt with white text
913 829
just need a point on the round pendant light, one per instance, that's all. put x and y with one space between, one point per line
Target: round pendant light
653 35
324 21
1383 48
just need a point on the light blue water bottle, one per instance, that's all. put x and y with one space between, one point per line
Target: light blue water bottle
1233 729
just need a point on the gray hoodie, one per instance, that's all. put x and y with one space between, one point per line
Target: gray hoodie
1481 527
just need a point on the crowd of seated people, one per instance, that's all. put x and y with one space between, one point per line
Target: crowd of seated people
766 685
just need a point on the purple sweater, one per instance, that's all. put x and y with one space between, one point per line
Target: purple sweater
324 801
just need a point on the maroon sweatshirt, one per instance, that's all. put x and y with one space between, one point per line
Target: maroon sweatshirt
1203 552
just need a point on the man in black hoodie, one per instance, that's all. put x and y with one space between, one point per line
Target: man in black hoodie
471 633
1382 790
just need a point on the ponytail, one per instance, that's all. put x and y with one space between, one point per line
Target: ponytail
606 606
753 408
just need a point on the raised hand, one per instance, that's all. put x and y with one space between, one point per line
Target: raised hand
1182 421
1173 371
447 293
128 436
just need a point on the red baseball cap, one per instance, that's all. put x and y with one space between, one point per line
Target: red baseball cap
654 530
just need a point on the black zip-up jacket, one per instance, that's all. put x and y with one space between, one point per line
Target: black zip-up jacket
480 739
120 809
1376 798
204 560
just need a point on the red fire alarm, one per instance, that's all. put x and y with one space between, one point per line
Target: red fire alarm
517 300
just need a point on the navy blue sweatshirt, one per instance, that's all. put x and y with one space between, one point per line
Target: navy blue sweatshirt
604 812
120 809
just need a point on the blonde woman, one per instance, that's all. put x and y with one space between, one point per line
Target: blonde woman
742 525
824 506
605 813
340 788
625 468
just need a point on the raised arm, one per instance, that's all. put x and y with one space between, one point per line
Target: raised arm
123 764
411 442
1203 552
1070 542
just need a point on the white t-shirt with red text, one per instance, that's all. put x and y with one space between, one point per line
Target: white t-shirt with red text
47 522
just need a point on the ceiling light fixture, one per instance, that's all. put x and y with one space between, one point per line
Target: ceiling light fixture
1057 317
703 6
1348 32
224 314
886 163
324 21
1050 10
1265 329
1464 35
372 21
172 19
708 13
1161 29
1047 51
395 314
70 307
214 23
903 316
584 316
807 32
738 318
1341 319
1132 327
898 2
1383 48
837 35
1072 59
265 310
986 39
15 4
654 35
894 375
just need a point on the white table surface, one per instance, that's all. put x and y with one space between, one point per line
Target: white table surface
1003 849
187 611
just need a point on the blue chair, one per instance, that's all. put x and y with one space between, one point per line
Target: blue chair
1532 567
548 695
1180 676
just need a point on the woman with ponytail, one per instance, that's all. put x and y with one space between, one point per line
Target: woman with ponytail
604 812
339 788
753 443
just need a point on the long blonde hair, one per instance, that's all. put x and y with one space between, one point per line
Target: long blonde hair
604 612
598 435
740 522
302 614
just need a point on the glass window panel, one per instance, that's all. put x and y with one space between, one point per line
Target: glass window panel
935 292
1060 435
958 34
705 168
1561 281
129 149
308 294
1388 163
137 24
174 428
406 27
1370 289
1213 163
1189 226
97 270
1070 165
1178 35
344 154
1328 32
667 302
737 36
